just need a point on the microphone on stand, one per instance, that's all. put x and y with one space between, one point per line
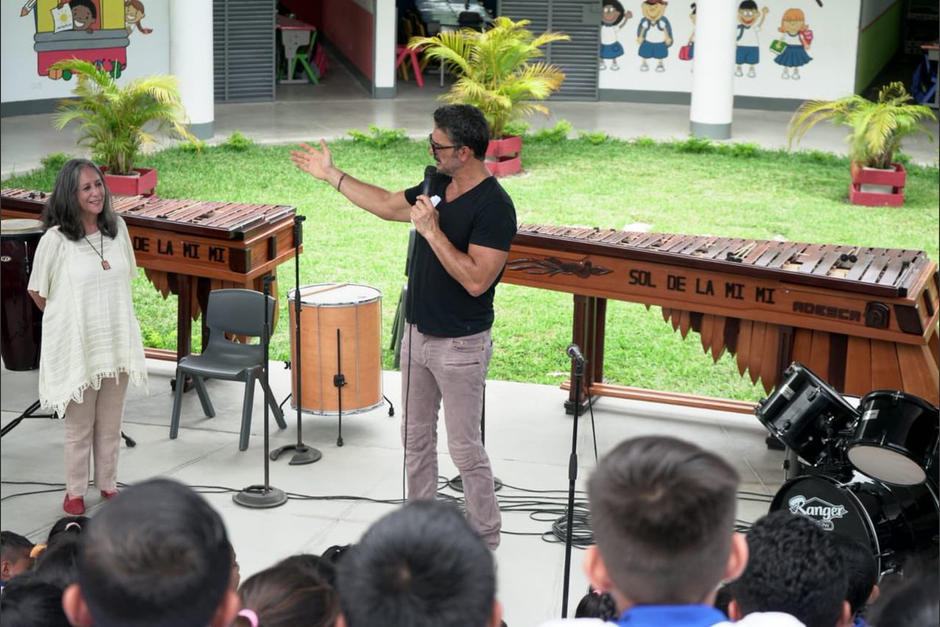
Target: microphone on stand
574 353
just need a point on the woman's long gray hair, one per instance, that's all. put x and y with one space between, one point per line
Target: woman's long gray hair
63 210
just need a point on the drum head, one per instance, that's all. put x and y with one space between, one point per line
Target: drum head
885 464
335 294
896 437
16 226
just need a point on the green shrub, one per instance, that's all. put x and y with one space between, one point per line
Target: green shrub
554 135
197 146
596 138
822 158
379 137
238 142
516 127
644 142
54 162
746 150
694 145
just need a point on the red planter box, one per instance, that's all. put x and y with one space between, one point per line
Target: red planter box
503 156
896 179
143 184
871 199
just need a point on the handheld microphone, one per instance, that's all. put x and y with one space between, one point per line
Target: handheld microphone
575 353
429 172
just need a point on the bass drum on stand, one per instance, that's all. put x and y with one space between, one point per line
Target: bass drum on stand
897 522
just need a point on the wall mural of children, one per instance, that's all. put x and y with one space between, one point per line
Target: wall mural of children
133 15
797 37
613 19
748 46
654 34
687 52
84 14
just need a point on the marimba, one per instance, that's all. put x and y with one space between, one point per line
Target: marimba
863 318
190 247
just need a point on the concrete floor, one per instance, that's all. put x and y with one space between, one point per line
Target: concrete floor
528 436
528 433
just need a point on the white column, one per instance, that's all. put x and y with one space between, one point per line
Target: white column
191 61
713 69
383 64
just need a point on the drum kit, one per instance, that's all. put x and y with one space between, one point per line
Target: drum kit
871 470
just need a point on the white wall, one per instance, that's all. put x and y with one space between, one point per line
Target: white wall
20 80
830 74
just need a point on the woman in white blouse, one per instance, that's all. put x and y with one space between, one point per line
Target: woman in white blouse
91 346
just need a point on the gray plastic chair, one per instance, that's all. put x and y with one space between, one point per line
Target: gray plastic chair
239 312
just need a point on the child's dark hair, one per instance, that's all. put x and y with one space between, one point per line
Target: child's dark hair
860 567
13 546
67 526
27 602
722 598
58 564
596 605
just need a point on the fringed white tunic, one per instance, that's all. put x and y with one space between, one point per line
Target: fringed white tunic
89 330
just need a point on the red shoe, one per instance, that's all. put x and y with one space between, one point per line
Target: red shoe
74 507
108 494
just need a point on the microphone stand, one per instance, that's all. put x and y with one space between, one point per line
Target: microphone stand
578 364
303 454
263 496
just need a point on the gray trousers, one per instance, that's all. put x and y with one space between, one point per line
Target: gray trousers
452 369
94 425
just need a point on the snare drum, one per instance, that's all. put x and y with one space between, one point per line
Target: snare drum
896 438
897 522
340 328
806 414
21 320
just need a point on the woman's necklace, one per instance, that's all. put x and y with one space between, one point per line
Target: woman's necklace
104 262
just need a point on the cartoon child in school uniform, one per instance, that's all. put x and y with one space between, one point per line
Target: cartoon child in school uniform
654 34
613 19
797 37
747 51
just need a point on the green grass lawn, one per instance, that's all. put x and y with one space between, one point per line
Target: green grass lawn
690 187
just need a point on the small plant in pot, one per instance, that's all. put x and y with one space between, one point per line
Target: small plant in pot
876 130
497 72
112 120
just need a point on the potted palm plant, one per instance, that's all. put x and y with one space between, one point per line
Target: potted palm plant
112 120
876 130
497 73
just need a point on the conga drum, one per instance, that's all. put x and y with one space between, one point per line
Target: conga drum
20 320
340 337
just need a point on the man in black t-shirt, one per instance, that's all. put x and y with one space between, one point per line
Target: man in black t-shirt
465 223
